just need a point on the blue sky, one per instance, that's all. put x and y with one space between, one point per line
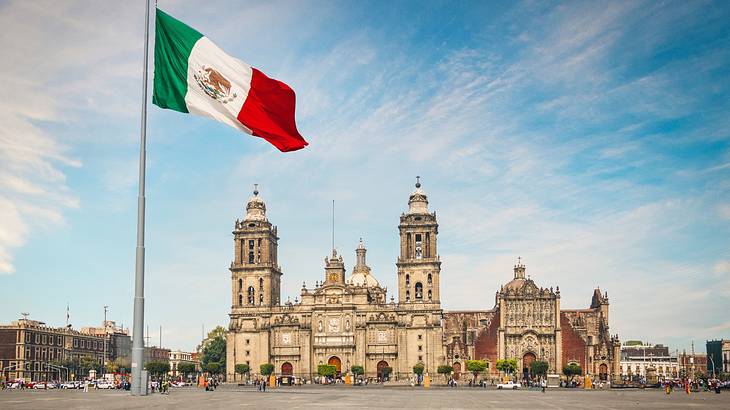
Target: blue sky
589 138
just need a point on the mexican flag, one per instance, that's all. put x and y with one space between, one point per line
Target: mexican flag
193 75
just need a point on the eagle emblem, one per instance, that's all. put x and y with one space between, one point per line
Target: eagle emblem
214 84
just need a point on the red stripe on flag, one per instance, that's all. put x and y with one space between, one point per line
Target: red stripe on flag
269 113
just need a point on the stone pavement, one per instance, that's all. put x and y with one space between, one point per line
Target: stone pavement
348 397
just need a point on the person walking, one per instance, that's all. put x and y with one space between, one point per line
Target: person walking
263 386
543 384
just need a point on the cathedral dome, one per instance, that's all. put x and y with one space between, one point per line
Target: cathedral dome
256 207
515 284
418 201
361 272
363 279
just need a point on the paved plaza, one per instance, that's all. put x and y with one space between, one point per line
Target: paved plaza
346 397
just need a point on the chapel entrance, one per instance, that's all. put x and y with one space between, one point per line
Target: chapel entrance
382 365
603 372
335 361
457 370
527 360
287 369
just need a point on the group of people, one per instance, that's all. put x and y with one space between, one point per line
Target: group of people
211 383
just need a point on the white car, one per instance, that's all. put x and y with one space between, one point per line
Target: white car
44 385
70 385
509 385
103 384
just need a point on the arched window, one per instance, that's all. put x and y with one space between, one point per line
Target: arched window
251 295
261 298
240 285
408 280
419 290
240 300
429 295
430 279
261 283
408 295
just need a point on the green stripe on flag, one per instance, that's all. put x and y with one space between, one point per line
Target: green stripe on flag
173 43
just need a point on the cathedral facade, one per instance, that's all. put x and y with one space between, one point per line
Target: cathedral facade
348 321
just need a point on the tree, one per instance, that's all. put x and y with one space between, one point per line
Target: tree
266 369
357 370
572 370
87 364
328 370
508 366
214 348
214 368
539 368
119 365
476 366
418 368
186 368
445 369
157 368
243 369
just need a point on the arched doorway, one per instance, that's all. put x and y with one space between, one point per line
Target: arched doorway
603 372
457 370
335 361
287 369
527 360
382 366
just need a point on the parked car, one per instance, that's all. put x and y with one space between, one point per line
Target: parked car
43 385
104 384
70 385
509 385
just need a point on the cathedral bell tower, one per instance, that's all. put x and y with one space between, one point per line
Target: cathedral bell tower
255 272
419 266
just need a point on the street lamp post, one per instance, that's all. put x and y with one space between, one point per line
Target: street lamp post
103 361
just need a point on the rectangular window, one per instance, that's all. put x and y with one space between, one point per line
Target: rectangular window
420 348
37 338
428 244
59 342
27 337
44 339
76 342
250 251
420 358
83 343
247 341
420 337
248 352
258 252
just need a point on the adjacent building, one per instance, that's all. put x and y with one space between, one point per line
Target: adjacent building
118 340
693 365
718 356
638 359
177 357
31 350
156 354
349 320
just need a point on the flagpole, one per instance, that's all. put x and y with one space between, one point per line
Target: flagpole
138 326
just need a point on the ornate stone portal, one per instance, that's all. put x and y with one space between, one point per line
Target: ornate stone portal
348 321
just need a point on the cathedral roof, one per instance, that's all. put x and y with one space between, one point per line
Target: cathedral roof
418 201
256 207
362 279
361 272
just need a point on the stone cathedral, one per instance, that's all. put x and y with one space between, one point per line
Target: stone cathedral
348 320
